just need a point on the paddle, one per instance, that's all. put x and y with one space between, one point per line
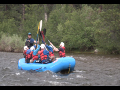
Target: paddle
40 28
45 34
37 34
41 34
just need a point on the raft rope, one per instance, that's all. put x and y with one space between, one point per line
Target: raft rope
69 69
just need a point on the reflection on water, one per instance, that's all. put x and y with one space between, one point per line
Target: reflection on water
90 69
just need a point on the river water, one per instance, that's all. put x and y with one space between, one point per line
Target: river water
90 70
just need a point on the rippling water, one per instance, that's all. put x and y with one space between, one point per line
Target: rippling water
90 70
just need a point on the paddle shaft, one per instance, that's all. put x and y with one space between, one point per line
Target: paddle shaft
44 35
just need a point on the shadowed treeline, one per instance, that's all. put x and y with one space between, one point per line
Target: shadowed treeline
82 27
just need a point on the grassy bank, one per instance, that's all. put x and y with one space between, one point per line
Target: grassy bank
100 51
12 43
15 43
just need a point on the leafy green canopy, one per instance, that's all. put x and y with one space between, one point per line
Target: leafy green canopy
79 26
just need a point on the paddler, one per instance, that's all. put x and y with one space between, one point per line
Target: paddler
28 56
51 52
61 50
44 55
35 56
25 50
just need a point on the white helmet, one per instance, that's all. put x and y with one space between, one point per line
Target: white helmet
25 47
32 48
42 46
62 44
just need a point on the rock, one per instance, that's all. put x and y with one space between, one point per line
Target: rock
96 51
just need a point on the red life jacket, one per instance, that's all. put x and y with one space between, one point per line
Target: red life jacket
51 53
42 56
25 52
62 54
29 56
35 57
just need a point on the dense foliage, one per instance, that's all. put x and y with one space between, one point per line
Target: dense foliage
80 26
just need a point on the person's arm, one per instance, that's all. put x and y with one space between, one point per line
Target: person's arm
23 51
36 42
35 46
33 41
36 51
39 52
49 48
45 52
56 49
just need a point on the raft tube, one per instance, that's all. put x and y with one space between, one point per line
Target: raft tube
56 66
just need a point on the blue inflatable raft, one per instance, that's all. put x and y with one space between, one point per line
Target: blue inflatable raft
56 66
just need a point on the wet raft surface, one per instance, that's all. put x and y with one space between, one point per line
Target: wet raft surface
90 70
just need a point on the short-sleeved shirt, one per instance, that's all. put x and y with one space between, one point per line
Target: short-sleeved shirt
31 40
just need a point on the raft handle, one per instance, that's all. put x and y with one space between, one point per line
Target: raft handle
69 68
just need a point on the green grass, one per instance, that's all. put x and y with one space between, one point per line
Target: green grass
78 51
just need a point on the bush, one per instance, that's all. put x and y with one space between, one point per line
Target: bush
11 43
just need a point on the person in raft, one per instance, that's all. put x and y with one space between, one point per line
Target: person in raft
25 50
30 41
44 55
51 52
30 53
35 55
61 50
28 56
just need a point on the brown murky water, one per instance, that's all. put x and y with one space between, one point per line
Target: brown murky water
90 70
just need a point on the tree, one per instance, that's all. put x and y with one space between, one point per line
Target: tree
79 29
107 33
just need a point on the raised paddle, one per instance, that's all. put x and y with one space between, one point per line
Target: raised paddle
45 34
41 33
37 34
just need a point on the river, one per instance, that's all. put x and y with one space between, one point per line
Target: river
90 70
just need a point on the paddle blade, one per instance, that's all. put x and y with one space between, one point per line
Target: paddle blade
44 31
43 36
40 34
40 25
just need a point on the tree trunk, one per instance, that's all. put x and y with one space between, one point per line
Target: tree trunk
100 8
45 17
5 7
22 19
45 13
23 11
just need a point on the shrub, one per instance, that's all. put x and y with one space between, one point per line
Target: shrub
12 43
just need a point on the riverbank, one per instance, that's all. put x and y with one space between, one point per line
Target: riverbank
93 51
15 44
